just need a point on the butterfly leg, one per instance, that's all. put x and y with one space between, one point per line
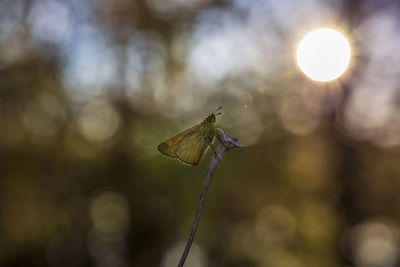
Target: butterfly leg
219 139
215 153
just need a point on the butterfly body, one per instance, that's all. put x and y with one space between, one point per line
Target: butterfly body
190 146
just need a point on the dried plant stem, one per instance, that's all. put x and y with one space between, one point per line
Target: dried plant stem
226 143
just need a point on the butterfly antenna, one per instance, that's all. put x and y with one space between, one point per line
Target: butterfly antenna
217 110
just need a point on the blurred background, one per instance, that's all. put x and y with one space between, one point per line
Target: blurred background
88 89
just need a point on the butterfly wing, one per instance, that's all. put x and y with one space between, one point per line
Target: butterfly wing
192 148
169 147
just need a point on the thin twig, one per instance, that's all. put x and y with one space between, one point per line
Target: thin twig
226 143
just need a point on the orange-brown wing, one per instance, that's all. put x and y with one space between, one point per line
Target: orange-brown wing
168 148
192 148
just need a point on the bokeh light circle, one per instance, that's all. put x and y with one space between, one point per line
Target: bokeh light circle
324 54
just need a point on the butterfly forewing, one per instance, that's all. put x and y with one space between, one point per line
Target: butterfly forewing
192 148
169 147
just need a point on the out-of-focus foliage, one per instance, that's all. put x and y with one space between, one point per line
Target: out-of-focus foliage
88 89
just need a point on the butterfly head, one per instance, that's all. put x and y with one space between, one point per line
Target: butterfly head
211 118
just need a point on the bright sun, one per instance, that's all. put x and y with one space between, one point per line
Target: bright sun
323 55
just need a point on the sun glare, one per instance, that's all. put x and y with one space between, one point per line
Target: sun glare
323 55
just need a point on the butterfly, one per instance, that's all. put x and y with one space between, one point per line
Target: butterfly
190 146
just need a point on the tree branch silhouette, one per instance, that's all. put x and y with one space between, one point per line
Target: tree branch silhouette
226 143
